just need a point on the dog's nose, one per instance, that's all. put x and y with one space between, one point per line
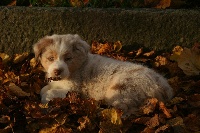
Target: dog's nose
57 71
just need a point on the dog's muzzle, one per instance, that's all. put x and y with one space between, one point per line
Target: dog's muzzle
53 79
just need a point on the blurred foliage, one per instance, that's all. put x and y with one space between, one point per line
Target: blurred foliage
105 3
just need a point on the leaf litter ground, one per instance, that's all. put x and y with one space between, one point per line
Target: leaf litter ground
21 80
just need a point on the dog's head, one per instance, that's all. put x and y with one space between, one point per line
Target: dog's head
61 55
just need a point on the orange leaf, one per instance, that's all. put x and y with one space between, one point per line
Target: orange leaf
163 4
149 106
160 61
105 48
153 122
164 110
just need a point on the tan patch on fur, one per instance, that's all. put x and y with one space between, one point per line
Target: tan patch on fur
41 45
119 87
47 54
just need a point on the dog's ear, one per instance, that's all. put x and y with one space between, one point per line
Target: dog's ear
40 46
81 45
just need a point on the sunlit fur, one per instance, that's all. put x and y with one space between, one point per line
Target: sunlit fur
123 85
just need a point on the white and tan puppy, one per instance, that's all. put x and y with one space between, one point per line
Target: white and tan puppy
123 85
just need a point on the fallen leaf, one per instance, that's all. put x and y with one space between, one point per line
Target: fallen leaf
117 46
148 54
162 128
176 53
149 106
194 100
176 100
153 122
141 120
105 48
189 62
139 52
13 3
148 130
112 115
78 3
4 119
163 4
50 129
7 129
20 57
33 62
5 58
193 122
175 121
37 88
84 122
10 77
16 91
160 61
164 110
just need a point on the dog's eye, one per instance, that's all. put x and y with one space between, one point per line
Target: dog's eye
68 58
51 58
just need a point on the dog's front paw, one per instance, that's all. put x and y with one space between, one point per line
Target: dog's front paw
53 93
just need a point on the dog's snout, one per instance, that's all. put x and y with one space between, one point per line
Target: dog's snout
57 71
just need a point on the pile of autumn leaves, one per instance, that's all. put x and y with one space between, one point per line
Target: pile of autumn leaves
21 80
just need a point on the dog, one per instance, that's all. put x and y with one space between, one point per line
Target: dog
70 66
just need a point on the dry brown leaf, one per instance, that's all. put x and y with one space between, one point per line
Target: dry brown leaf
52 129
153 122
62 129
10 77
194 100
78 3
164 110
111 121
189 61
174 70
163 4
13 3
175 121
193 122
141 120
160 61
105 48
174 82
20 57
148 54
162 128
177 124
139 52
148 130
112 115
7 129
176 52
84 122
5 57
37 88
95 46
176 100
117 46
4 119
149 106
33 62
16 91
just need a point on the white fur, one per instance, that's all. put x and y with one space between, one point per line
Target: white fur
123 85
